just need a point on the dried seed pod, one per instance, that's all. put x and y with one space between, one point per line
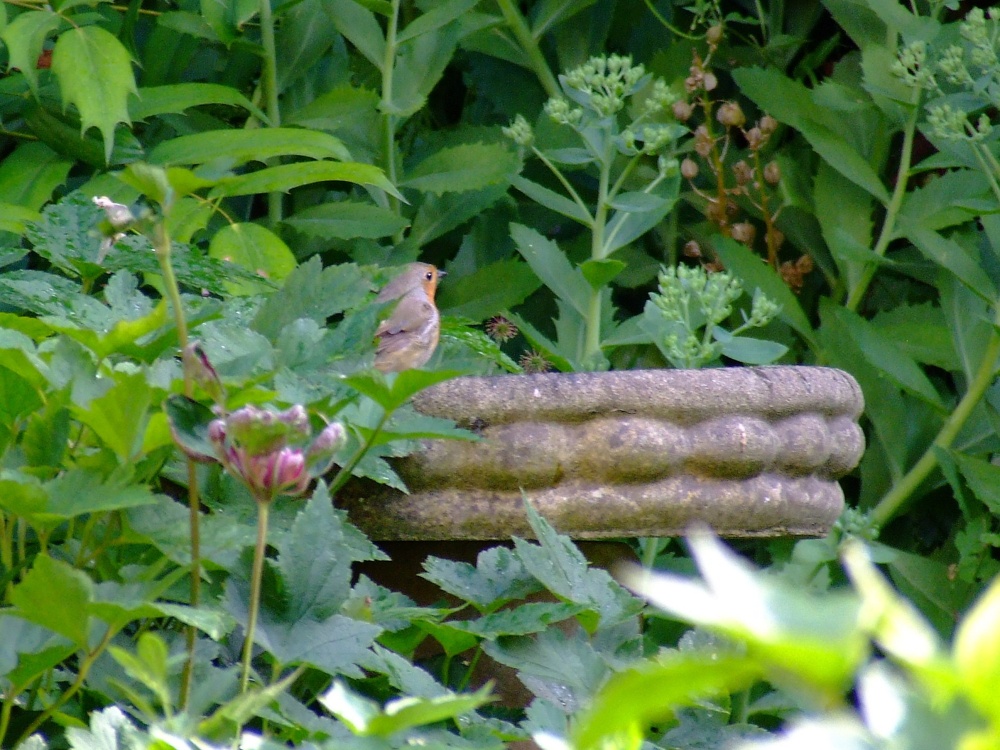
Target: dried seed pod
689 169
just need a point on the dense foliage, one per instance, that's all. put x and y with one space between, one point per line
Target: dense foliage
609 184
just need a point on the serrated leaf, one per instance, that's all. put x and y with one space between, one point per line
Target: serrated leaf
360 27
238 147
57 596
560 566
497 577
470 166
95 73
781 96
347 220
24 37
479 296
553 200
949 254
439 214
527 618
119 417
255 248
287 176
551 265
438 16
312 292
157 100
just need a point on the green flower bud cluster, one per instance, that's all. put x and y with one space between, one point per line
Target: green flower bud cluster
690 299
973 67
520 132
605 82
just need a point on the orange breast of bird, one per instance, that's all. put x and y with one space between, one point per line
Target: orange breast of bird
408 337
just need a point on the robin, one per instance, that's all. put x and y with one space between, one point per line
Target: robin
408 337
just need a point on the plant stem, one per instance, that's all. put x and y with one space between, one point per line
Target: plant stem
81 676
162 244
269 79
529 46
592 341
890 504
891 211
345 471
263 511
388 108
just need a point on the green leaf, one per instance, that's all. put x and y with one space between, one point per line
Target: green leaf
564 668
81 491
977 653
365 718
312 292
256 249
527 618
287 176
405 385
470 166
95 73
420 63
439 15
749 351
820 640
497 578
653 690
57 596
844 211
553 200
791 103
119 417
24 38
439 214
551 265
560 566
189 422
314 567
28 177
888 358
238 147
628 225
951 255
360 27
347 220
158 100
479 296
922 332
598 273
983 479
18 397
754 274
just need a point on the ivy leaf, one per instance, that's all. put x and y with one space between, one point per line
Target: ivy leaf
470 166
95 73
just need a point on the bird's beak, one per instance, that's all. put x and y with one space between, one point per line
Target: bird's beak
442 274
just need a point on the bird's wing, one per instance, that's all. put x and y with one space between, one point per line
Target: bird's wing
413 312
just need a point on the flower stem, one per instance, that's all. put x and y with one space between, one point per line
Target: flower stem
269 81
901 491
345 471
592 341
529 46
388 108
256 575
891 211
162 245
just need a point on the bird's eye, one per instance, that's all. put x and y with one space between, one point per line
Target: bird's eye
429 276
